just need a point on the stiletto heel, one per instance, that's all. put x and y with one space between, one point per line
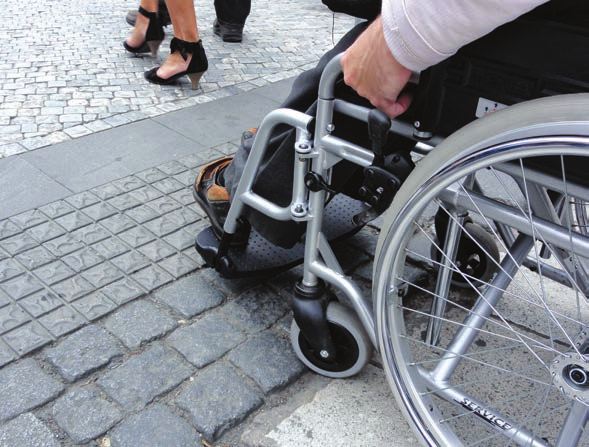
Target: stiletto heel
196 68
153 36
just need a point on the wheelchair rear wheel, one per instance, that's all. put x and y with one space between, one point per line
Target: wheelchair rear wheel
504 362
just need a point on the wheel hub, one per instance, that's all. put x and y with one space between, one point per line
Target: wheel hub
570 373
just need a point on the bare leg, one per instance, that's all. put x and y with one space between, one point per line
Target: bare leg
137 37
185 28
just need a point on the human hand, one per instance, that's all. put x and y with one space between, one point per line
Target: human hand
371 69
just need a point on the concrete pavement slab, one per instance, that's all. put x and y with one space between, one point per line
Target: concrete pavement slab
23 186
358 411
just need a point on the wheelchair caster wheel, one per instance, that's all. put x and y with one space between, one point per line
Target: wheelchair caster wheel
354 348
477 257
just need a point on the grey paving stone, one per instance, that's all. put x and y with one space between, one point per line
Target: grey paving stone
62 320
7 355
40 303
82 199
145 376
124 202
152 277
111 247
63 245
53 272
25 386
73 221
117 223
9 268
156 426
190 296
179 265
94 306
73 288
35 257
206 340
157 250
139 322
29 219
218 399
142 213
4 299
180 239
27 338
91 234
129 183
257 309
151 175
83 352
27 431
83 259
12 316
8 228
269 360
137 236
45 231
102 274
18 243
99 210
56 209
130 262
84 413
123 290
21 286
164 205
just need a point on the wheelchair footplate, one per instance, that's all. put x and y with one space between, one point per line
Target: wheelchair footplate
260 258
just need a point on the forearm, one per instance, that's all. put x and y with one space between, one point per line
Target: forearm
421 33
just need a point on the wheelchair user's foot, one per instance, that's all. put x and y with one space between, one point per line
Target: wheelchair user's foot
213 198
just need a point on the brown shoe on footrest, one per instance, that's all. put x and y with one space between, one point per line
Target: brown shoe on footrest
214 199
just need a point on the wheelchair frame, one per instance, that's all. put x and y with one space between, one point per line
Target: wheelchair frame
451 178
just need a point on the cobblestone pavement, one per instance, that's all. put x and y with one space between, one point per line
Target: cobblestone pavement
65 74
112 332
124 338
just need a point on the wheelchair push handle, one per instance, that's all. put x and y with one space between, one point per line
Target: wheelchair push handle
333 70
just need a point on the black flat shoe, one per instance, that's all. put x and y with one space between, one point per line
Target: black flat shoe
196 68
153 36
229 33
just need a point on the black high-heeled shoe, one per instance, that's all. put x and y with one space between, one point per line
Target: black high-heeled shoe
153 36
196 68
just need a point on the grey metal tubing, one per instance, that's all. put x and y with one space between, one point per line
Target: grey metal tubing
399 127
243 194
516 433
444 279
499 212
353 293
574 425
481 311
546 180
330 74
347 151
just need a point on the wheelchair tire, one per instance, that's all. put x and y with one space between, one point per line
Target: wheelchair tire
512 368
354 348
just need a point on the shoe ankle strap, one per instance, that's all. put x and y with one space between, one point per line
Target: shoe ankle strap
144 12
184 48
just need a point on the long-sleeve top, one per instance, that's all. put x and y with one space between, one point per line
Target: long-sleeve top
421 33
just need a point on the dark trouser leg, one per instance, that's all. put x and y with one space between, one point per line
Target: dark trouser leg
274 180
232 12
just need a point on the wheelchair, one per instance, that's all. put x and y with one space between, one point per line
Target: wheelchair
491 347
